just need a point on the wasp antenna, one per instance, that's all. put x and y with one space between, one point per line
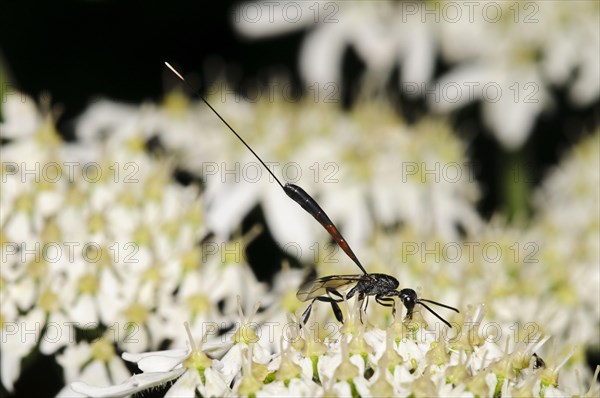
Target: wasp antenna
440 304
435 313
174 71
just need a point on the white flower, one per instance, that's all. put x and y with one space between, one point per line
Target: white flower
571 46
511 61
21 117
383 34
106 118
174 278
416 361
126 240
506 55
515 90
160 367
94 363
135 384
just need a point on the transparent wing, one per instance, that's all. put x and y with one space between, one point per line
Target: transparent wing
318 287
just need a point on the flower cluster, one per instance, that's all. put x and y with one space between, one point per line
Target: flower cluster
406 359
508 55
107 251
101 249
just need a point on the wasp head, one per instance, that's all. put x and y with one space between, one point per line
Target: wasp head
409 299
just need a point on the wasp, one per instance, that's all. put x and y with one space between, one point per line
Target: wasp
325 289
382 286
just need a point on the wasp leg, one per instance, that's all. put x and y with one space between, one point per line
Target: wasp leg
337 312
387 302
331 290
352 292
334 305
365 307
306 313
362 305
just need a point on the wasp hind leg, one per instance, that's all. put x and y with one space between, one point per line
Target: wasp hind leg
334 303
326 299
306 313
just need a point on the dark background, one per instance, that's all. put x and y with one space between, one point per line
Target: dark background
81 50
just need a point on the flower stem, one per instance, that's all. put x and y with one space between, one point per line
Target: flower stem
516 185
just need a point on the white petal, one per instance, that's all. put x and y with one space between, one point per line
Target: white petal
228 204
304 388
342 389
118 371
384 202
20 115
275 389
586 88
104 116
375 45
84 310
49 203
108 295
136 383
457 88
137 339
158 361
185 386
356 224
559 57
491 380
321 55
68 392
294 229
419 60
512 121
215 385
231 363
95 373
362 386
72 359
327 365
256 19
10 362
18 227
24 292
59 333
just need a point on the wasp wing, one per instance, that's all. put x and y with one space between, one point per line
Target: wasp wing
318 287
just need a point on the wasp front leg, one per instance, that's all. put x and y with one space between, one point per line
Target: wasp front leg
387 302
362 307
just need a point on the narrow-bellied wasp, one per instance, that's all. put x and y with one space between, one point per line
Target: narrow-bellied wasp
325 289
